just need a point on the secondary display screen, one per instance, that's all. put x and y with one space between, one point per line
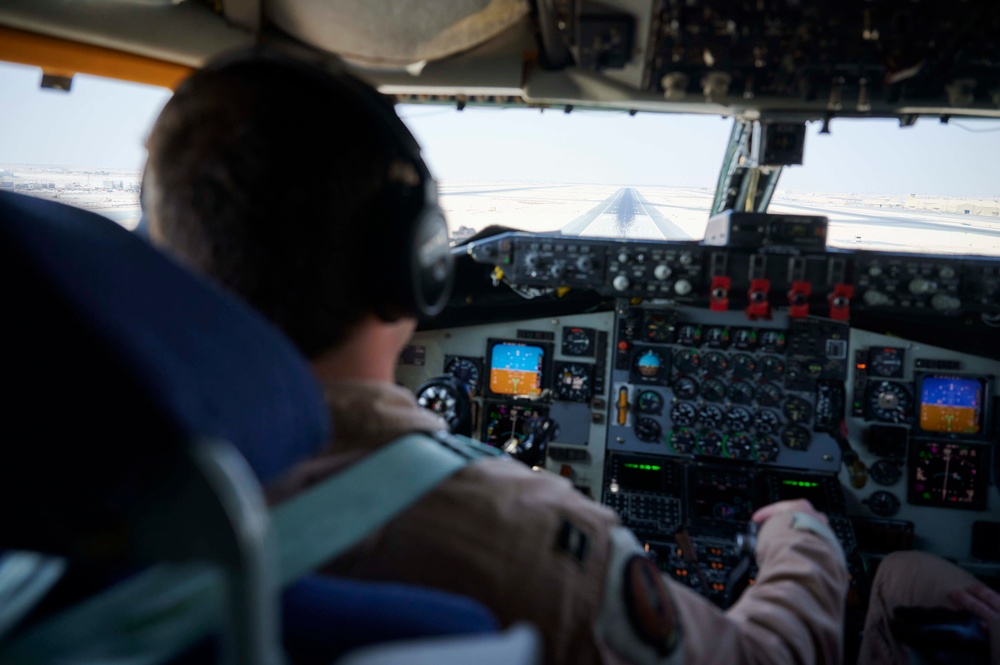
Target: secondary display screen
516 369
948 474
951 404
795 486
721 495
641 477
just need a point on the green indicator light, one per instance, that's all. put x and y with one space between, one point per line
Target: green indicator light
642 467
799 483
927 495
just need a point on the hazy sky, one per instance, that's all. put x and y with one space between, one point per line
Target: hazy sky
103 123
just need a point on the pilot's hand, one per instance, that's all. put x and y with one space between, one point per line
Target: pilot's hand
982 601
789 506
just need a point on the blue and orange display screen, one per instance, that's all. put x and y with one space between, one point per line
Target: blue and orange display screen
516 369
951 404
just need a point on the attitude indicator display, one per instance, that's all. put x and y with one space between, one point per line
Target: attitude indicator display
516 369
951 404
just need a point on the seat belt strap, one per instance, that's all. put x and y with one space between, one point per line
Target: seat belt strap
314 527
25 578
159 612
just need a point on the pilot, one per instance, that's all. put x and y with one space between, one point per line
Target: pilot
919 579
293 185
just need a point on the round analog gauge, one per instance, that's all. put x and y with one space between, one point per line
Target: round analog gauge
576 342
445 400
738 419
683 414
685 387
772 341
740 446
767 449
768 394
465 370
658 326
687 360
743 365
712 444
649 401
889 402
884 472
741 392
883 504
714 363
797 409
772 368
713 390
717 338
711 416
887 362
766 422
796 437
689 335
745 339
572 382
683 441
649 364
648 430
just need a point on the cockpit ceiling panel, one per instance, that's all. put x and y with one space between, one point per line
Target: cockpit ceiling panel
847 56
388 33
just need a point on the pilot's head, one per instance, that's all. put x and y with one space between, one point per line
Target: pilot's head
300 190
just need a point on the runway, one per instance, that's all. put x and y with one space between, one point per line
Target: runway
625 214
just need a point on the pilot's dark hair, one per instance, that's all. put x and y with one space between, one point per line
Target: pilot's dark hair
275 186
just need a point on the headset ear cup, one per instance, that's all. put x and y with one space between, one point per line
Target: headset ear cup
420 285
432 264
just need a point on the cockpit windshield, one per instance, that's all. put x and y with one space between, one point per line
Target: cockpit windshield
925 188
930 187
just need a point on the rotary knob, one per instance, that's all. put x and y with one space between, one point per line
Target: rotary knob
623 257
919 286
558 269
662 271
875 298
944 302
682 287
585 263
620 282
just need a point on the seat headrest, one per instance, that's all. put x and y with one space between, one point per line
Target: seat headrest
115 355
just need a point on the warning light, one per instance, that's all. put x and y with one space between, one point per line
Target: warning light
623 345
862 366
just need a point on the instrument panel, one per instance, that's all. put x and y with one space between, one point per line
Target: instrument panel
818 281
685 420
686 382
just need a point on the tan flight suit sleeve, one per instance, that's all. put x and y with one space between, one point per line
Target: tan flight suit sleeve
909 579
792 614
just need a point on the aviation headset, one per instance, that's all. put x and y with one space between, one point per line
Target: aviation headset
413 268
